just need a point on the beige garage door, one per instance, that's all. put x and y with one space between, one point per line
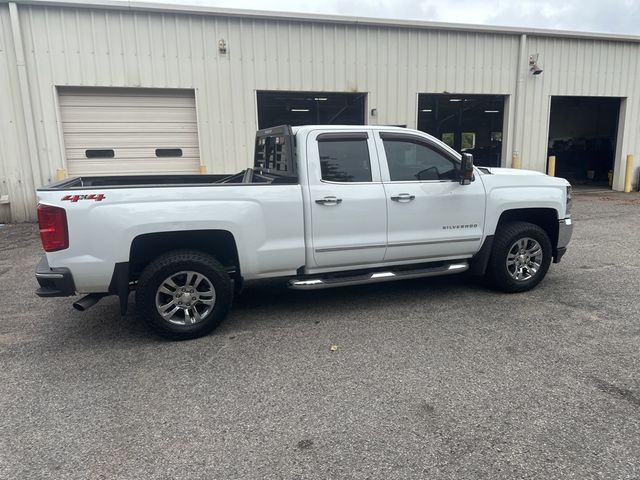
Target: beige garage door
113 131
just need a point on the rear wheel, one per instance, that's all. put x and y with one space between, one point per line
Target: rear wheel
184 294
520 257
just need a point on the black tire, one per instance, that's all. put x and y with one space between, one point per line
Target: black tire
172 264
498 273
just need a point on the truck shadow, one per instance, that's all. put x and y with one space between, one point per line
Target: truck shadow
267 301
262 304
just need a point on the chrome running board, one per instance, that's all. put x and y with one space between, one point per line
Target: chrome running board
319 282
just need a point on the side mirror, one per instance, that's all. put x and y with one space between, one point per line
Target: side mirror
466 176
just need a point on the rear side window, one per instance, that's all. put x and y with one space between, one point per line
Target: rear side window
344 158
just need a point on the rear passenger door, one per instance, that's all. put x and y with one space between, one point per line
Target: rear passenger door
346 199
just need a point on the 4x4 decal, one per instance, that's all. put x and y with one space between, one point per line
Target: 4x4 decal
92 196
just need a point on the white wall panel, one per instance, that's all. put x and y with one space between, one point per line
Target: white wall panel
67 46
16 173
581 68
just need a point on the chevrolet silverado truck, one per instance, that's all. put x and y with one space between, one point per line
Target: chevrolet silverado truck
322 206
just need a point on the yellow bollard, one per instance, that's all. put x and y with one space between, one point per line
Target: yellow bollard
203 169
628 173
551 166
515 160
61 174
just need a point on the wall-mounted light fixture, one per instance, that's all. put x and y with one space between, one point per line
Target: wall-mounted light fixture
534 68
374 112
222 46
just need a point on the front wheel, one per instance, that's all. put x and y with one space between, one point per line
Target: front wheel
520 257
184 294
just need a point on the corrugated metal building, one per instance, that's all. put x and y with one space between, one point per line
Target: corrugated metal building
131 87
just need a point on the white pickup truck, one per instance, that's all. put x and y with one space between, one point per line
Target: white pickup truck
323 206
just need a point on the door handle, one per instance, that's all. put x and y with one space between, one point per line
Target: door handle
329 201
403 197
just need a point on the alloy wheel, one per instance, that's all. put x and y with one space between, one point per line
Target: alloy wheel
524 259
185 298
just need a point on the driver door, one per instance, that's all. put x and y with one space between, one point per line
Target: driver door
431 216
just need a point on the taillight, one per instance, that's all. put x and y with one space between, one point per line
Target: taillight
53 228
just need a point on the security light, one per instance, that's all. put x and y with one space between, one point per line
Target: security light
222 46
533 64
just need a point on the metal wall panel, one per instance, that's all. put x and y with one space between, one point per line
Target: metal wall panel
67 46
582 68
16 173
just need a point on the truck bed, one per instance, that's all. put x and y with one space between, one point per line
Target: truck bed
248 176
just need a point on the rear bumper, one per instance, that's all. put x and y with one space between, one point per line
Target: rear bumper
565 230
54 282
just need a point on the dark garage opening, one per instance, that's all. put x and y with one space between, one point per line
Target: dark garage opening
582 136
468 123
310 108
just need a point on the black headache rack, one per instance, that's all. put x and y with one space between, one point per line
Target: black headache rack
275 153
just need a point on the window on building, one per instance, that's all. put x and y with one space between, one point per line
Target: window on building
468 140
168 152
100 153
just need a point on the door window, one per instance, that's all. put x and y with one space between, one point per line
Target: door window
412 160
344 158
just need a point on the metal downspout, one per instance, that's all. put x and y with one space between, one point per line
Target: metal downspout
518 103
25 97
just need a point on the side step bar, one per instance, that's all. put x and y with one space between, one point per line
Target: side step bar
376 277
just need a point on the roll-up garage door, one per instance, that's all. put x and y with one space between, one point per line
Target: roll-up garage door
113 131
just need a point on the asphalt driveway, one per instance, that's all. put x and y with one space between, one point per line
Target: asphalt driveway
433 378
